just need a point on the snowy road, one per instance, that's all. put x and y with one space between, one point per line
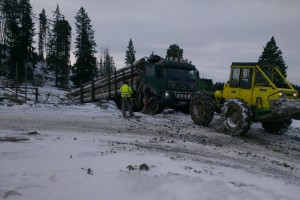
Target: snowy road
87 151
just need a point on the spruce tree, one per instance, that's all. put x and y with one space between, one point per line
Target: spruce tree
2 38
52 41
106 64
85 67
10 37
2 21
19 32
27 29
112 64
63 30
101 73
272 55
58 57
42 33
174 51
130 53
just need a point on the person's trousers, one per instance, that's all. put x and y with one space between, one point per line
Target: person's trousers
126 105
146 105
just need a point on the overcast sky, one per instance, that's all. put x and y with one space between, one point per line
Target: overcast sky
212 33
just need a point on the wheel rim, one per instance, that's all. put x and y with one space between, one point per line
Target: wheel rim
233 118
198 109
152 106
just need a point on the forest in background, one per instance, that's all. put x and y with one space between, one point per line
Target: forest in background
20 53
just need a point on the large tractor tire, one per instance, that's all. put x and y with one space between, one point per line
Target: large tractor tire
236 117
154 106
202 109
277 128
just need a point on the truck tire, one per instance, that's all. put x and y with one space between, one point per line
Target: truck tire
236 117
154 106
202 109
277 128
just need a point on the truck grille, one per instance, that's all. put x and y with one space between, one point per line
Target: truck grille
181 86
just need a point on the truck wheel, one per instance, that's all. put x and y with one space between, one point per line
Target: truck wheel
154 107
202 109
277 128
236 117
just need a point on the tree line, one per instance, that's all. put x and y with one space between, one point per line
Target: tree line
18 56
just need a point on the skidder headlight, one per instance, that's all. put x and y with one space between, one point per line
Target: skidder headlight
280 94
295 94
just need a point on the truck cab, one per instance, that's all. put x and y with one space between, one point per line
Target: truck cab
172 83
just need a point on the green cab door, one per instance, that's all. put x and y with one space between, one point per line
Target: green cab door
153 78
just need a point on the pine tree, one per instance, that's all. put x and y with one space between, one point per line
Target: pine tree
59 45
85 68
174 51
2 38
52 42
63 30
112 64
130 53
27 29
101 67
2 21
42 33
19 32
106 62
272 55
10 35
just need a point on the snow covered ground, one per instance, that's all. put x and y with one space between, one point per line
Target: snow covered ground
70 152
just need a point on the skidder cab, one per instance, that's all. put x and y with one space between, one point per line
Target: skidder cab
254 93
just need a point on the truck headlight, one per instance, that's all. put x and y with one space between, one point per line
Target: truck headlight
167 94
295 94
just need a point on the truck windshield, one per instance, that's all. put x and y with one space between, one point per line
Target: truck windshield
180 73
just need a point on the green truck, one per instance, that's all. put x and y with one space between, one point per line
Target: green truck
172 83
